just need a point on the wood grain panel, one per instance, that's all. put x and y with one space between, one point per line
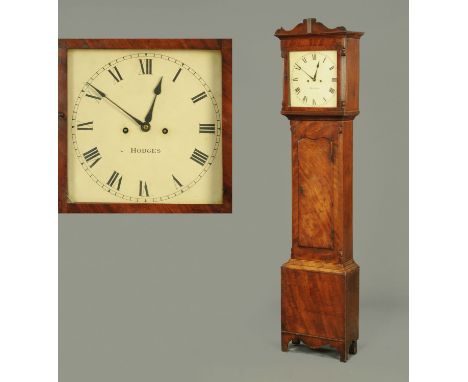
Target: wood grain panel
315 193
313 303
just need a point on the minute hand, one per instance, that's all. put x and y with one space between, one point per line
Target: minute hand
312 78
102 94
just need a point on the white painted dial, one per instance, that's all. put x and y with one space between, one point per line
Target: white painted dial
313 78
145 127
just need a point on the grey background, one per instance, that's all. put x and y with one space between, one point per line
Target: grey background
196 298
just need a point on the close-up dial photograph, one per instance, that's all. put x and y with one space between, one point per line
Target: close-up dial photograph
145 127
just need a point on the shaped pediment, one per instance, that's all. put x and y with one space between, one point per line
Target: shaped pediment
312 27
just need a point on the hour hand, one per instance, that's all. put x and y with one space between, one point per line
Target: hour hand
156 91
316 70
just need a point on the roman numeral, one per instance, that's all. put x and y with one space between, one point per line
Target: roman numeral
93 96
117 76
295 79
313 102
92 154
113 179
314 56
297 67
146 66
143 189
198 97
332 91
199 157
304 60
207 128
297 90
334 79
304 99
324 60
331 68
176 181
176 75
80 126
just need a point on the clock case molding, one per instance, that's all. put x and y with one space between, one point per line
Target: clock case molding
223 45
320 283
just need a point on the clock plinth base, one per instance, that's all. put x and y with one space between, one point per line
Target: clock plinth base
320 305
343 348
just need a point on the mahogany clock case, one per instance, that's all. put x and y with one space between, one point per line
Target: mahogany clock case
224 46
320 283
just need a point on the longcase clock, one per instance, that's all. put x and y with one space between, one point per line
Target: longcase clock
320 282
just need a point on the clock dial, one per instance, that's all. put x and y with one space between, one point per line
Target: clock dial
146 128
313 78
